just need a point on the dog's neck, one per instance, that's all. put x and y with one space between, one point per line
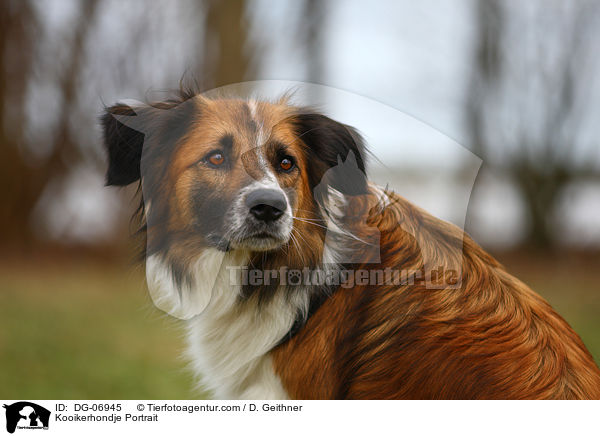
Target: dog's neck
230 340
230 331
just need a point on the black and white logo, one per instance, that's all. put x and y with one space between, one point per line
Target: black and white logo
26 415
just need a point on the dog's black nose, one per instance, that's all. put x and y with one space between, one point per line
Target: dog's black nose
266 204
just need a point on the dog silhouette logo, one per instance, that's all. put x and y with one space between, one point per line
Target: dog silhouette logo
26 415
339 189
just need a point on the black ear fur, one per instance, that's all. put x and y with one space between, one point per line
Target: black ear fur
337 150
124 146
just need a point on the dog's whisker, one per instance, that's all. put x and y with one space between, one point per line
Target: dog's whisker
311 223
297 246
309 219
302 237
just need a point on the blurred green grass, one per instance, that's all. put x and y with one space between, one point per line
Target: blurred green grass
87 331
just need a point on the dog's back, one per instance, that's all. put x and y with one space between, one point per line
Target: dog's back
491 337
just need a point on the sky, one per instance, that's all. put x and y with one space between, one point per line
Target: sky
412 56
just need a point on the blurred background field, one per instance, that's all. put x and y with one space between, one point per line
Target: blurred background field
87 330
482 112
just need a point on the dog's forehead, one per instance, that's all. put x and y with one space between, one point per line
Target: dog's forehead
252 122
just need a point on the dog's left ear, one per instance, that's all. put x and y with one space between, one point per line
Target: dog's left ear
336 150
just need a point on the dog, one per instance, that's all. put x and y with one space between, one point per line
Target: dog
245 202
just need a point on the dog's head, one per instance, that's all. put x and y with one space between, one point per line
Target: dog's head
230 174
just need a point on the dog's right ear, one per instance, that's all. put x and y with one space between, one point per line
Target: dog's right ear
124 141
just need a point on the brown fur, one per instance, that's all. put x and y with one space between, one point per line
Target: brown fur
491 338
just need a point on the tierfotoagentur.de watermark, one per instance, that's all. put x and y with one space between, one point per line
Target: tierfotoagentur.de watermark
437 278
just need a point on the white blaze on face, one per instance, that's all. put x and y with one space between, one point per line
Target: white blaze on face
261 135
268 180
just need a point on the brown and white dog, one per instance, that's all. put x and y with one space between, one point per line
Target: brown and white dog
235 186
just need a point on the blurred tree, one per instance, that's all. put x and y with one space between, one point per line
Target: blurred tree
228 48
21 183
23 177
530 98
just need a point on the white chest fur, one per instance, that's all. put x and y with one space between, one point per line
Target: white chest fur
229 340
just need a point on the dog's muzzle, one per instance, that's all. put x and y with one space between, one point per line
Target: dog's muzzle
266 205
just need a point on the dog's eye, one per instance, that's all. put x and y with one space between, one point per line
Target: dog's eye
216 158
287 163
